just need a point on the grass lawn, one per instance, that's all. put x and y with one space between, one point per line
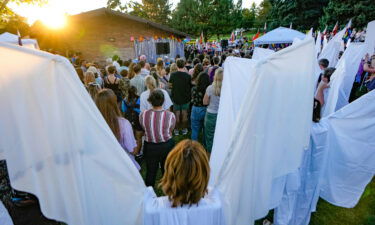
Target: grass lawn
327 214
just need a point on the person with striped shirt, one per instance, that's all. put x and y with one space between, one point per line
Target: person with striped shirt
158 125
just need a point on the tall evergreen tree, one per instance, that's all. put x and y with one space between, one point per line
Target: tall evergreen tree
360 11
248 17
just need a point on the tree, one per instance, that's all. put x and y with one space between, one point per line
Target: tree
225 16
192 17
360 11
158 11
263 12
10 21
248 17
304 14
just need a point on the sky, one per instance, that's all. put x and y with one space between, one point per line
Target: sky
55 9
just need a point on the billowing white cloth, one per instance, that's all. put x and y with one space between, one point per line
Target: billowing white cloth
318 43
261 53
338 165
332 49
350 162
59 147
370 38
259 135
4 216
279 36
208 211
13 39
325 42
231 98
343 78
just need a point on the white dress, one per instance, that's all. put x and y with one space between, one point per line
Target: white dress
158 211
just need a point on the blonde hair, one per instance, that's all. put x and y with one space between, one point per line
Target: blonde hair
187 173
150 83
89 77
218 79
173 68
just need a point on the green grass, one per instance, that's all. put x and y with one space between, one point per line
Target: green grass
326 214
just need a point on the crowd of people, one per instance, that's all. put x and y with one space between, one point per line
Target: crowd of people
147 104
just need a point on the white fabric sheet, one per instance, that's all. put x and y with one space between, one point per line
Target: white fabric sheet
261 53
4 216
351 158
13 39
332 49
279 35
59 147
318 44
338 165
343 78
231 98
260 132
208 211
370 38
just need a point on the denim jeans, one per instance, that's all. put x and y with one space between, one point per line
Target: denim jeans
197 119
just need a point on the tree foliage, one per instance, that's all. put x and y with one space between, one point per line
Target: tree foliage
158 11
360 11
303 14
10 21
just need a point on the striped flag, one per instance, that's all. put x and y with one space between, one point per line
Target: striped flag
232 38
256 35
265 28
336 28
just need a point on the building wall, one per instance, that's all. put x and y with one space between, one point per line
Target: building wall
99 37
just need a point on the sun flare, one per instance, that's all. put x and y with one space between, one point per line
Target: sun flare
53 20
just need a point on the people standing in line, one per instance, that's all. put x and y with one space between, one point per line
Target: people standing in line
212 99
138 81
198 111
107 104
180 83
157 124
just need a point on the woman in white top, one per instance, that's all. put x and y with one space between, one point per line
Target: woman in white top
212 99
151 85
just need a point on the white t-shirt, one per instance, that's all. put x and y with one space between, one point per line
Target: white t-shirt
145 105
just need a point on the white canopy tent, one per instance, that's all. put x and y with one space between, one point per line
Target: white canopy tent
13 39
280 35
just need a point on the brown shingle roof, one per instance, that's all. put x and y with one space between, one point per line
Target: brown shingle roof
102 11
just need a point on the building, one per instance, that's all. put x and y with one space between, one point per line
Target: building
102 33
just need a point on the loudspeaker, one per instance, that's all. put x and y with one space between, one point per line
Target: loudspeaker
224 44
162 48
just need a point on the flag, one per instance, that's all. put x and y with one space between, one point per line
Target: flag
256 36
201 38
19 38
232 37
325 31
265 28
291 25
336 28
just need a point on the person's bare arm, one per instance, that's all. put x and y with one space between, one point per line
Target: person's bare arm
206 99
